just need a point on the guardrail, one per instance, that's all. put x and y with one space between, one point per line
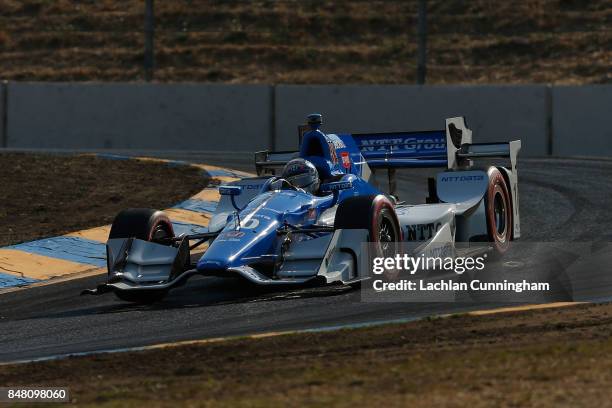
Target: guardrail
550 120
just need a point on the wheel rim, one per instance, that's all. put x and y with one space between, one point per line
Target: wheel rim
499 213
159 234
386 235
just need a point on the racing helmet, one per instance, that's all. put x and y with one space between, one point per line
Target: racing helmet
303 174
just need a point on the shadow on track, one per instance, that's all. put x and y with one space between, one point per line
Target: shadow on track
208 292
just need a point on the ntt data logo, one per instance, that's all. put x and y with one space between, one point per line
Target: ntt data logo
403 143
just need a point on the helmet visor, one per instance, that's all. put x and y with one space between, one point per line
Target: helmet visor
301 180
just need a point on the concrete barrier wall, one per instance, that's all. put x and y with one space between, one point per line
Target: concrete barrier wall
142 116
582 120
494 113
246 118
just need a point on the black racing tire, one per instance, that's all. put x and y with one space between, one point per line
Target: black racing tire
375 213
148 225
141 223
498 209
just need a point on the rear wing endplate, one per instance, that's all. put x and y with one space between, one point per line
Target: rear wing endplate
267 163
460 149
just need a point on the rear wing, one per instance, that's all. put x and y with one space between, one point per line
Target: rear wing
403 149
451 148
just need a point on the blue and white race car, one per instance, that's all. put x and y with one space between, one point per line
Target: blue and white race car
309 222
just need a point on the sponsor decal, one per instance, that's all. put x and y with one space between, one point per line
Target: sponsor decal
336 185
230 236
334 143
346 160
452 179
422 232
409 144
439 251
332 152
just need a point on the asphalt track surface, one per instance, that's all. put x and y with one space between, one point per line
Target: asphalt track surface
562 201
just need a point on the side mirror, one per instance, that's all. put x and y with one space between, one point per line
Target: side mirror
230 190
336 186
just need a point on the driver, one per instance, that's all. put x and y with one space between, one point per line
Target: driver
302 174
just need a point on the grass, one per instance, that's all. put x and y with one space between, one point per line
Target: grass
69 193
310 41
553 357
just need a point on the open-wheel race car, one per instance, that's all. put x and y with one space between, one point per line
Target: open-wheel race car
306 215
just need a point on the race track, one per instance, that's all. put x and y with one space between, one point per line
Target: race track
562 200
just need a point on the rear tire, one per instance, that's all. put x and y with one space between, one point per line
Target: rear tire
147 225
498 212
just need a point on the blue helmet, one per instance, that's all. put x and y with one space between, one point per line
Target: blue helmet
303 174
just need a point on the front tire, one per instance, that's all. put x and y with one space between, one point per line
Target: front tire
142 223
376 214
147 225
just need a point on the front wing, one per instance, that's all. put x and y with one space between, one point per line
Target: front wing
135 264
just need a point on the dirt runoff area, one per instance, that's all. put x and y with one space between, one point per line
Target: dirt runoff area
47 195
548 357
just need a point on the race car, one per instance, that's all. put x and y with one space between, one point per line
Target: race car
309 222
